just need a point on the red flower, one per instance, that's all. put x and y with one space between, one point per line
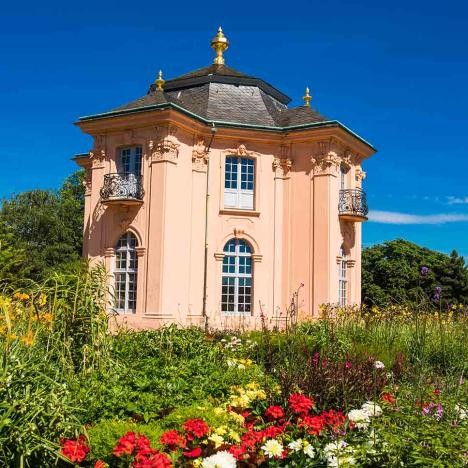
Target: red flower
314 424
436 391
173 440
194 453
251 438
274 412
333 418
196 428
100 464
300 404
271 432
125 445
75 449
237 451
389 398
151 458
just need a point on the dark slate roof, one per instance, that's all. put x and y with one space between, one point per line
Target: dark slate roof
221 94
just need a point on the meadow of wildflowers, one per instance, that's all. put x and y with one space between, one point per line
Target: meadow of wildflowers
359 387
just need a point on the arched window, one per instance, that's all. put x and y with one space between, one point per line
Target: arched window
342 279
236 290
125 273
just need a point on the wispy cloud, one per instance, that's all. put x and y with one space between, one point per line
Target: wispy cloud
392 217
457 200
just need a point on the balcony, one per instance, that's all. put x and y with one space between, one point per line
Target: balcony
123 188
352 205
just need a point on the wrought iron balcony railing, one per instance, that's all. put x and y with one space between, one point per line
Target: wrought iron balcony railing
353 204
122 186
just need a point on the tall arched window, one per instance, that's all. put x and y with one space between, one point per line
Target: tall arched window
236 290
342 279
125 273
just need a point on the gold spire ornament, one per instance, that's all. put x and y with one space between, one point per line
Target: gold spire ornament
160 82
307 97
219 44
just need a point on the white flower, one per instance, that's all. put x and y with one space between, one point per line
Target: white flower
272 448
359 417
309 451
334 447
295 445
462 413
372 409
379 365
221 459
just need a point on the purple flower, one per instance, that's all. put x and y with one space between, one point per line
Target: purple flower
439 412
424 270
437 294
348 365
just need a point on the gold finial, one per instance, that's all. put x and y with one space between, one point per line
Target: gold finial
219 44
160 82
307 98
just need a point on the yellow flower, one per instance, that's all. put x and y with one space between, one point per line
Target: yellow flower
28 339
218 411
221 430
42 299
197 462
47 317
233 435
217 439
21 296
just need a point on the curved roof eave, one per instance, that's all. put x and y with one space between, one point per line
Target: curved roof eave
165 105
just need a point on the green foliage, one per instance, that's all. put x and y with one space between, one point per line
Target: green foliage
159 370
104 435
50 338
406 436
391 274
41 230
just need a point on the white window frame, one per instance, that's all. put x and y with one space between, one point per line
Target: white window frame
133 165
343 280
244 174
128 253
344 177
242 262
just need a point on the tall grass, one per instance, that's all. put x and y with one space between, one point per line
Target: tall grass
51 334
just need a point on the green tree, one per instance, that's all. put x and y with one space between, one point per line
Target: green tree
42 230
391 273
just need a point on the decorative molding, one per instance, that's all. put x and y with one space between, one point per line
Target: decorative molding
98 153
109 252
87 182
238 233
360 175
239 212
350 263
281 167
257 258
140 251
165 147
219 256
241 150
329 155
199 155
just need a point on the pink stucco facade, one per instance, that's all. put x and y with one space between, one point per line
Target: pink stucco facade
295 229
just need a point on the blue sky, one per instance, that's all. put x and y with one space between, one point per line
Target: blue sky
395 72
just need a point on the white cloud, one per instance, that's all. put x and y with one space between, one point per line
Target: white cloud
392 217
457 200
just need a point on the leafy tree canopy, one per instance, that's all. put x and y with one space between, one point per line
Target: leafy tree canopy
391 273
41 230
